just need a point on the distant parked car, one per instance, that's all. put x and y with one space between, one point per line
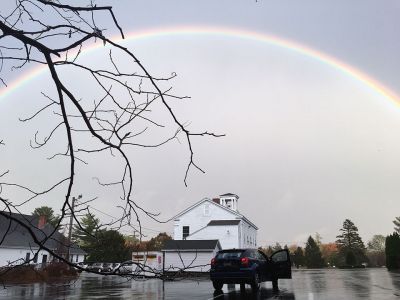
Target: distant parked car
249 266
82 265
97 267
107 267
124 268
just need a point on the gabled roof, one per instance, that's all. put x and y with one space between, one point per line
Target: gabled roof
212 202
17 236
223 222
217 204
191 245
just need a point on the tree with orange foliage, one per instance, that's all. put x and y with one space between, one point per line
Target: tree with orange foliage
329 253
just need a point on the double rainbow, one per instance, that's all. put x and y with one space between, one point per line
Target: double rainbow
234 33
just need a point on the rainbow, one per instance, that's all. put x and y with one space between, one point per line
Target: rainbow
234 33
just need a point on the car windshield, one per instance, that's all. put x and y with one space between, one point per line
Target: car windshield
229 254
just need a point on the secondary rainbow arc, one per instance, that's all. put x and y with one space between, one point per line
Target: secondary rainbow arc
228 32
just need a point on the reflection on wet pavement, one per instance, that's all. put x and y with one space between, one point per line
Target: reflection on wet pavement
306 284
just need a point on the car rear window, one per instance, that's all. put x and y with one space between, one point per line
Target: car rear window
229 254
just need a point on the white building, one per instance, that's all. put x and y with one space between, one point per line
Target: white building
18 246
218 219
189 255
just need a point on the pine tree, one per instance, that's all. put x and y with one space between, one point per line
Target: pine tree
396 222
109 246
85 236
350 244
298 257
48 213
313 257
392 251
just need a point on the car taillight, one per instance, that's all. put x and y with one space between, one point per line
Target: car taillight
244 261
213 261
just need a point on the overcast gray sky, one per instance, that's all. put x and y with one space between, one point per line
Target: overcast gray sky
306 144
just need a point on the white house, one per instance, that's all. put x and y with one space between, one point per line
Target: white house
218 219
189 255
17 245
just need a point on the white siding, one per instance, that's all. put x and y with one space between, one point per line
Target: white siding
12 255
192 260
197 219
77 258
248 235
228 235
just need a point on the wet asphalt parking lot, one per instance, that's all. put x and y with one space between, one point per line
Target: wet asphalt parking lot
306 284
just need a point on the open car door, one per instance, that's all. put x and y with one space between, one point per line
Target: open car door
282 263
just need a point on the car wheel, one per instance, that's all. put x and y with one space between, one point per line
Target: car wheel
242 287
275 284
255 286
217 285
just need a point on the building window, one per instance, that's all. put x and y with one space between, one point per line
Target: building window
185 232
35 258
27 256
207 209
228 203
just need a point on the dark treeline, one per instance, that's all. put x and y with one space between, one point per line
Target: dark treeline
104 245
348 251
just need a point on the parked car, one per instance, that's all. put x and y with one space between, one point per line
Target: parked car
107 267
82 265
97 267
124 268
249 266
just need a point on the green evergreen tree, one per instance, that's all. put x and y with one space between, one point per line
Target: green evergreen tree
396 223
85 234
109 246
392 251
48 213
298 257
350 245
312 256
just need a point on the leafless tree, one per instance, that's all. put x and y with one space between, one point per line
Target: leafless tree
54 33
